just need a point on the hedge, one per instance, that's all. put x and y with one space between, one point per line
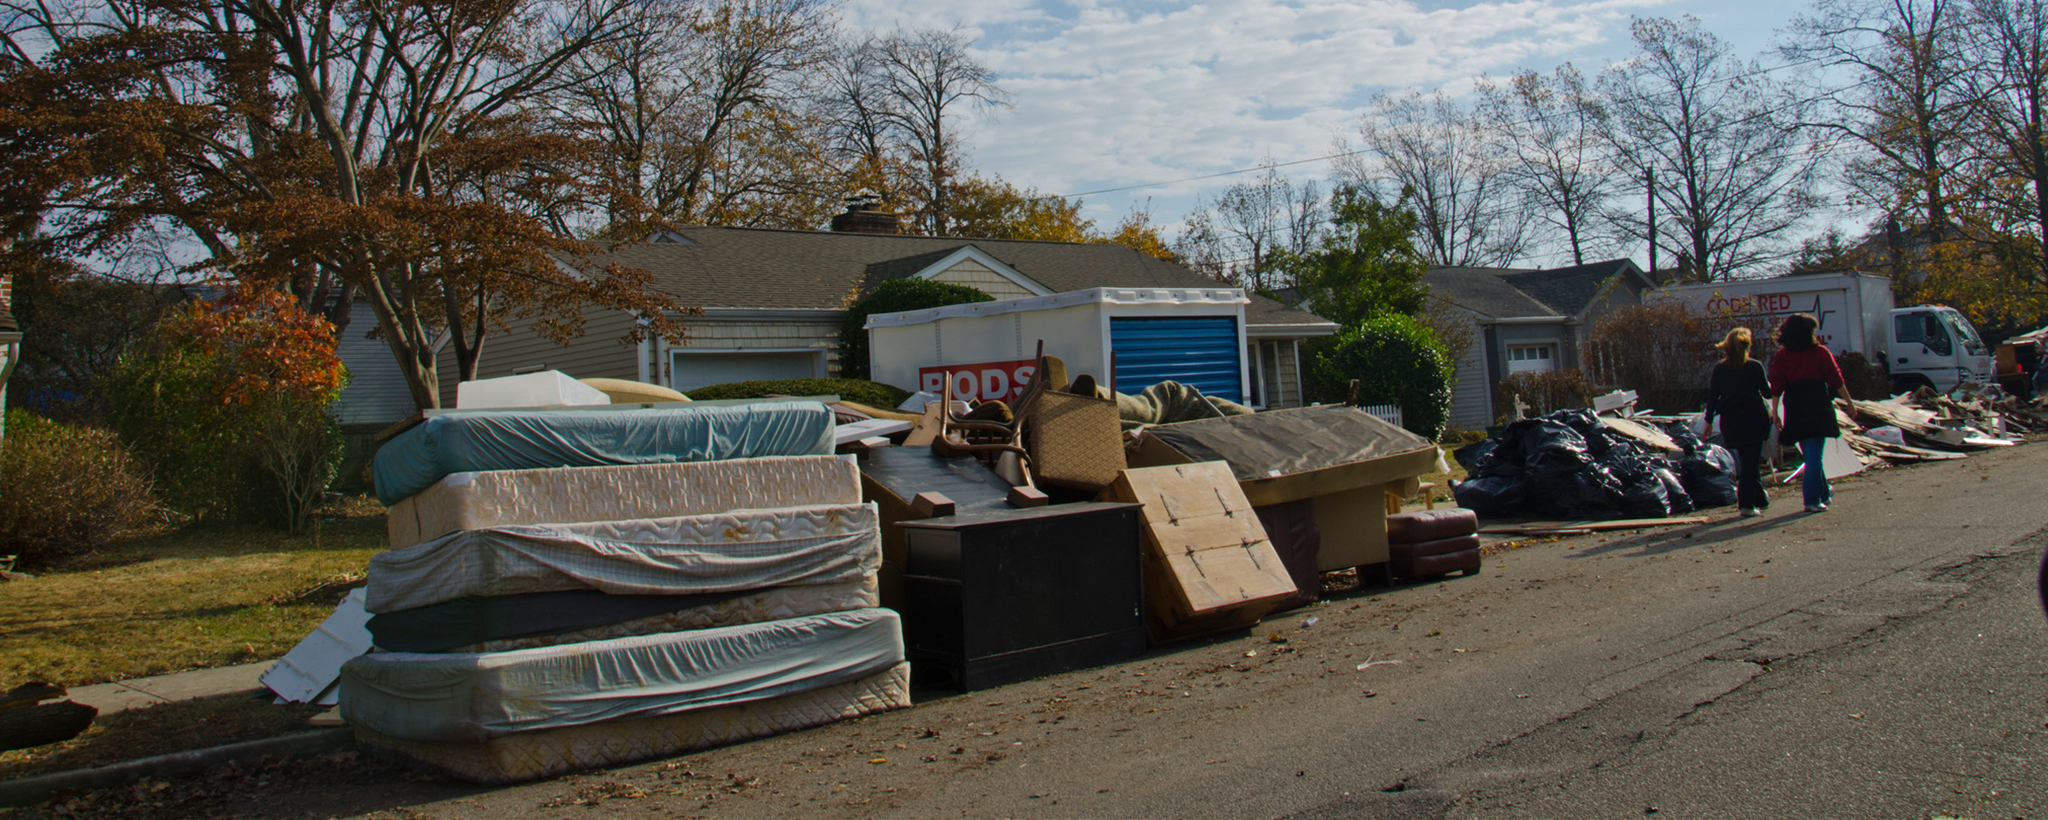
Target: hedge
1396 360
873 394
893 296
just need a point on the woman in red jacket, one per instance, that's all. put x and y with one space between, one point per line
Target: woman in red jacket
1805 378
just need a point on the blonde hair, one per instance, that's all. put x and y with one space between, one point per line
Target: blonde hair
1735 346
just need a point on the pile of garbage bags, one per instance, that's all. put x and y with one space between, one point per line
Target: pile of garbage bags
1568 465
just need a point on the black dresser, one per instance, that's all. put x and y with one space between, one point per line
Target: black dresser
993 596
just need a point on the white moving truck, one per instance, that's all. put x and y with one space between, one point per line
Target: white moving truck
1925 345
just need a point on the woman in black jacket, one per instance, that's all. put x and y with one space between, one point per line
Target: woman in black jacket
1739 396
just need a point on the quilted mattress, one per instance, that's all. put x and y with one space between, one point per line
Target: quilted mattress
740 550
470 698
533 755
535 439
475 500
748 608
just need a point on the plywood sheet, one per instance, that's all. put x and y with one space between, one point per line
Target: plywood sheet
1202 536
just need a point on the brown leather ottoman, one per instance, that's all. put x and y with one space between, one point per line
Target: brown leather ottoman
1431 525
1430 559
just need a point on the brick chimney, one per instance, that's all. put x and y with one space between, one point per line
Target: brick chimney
865 214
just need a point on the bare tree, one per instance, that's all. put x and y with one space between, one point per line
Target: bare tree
1731 164
701 113
2010 87
1908 106
1553 129
923 80
1452 172
1243 234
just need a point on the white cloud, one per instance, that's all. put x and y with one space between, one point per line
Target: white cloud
1114 94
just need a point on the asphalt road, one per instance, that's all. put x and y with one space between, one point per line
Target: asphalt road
1886 659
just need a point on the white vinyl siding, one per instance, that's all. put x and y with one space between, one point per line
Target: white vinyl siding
599 353
376 393
978 276
1471 388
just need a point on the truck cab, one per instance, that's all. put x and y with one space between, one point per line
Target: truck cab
1934 346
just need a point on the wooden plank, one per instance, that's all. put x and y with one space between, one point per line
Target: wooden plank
1647 435
1205 545
1590 526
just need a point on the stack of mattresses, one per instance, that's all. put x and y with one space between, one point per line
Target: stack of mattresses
571 589
1429 543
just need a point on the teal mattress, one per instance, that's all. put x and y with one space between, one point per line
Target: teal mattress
487 440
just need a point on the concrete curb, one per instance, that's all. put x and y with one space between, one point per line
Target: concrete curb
31 790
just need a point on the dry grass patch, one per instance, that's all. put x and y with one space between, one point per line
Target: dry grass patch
187 599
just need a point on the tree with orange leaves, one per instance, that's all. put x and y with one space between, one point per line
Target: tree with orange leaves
228 403
342 151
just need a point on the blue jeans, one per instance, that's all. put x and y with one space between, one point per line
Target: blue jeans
1814 483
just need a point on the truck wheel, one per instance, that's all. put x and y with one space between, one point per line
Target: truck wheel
1908 384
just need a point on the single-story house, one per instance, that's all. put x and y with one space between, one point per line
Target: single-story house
1527 320
773 301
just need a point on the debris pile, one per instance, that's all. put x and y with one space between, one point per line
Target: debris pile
1574 464
1928 426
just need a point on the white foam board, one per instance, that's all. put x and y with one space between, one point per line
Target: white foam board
306 672
548 388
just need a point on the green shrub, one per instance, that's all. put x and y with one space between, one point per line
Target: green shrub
1396 361
890 297
66 490
1545 390
227 405
873 394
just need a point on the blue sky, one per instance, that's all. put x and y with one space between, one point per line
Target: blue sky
1109 95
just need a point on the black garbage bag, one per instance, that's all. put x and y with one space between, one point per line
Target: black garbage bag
1682 433
1674 489
1550 439
1590 492
1492 496
1477 456
1485 459
1649 488
1709 476
1643 494
1603 441
1582 421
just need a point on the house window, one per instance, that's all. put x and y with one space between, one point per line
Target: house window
1531 358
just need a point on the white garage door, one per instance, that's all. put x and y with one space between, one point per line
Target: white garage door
694 370
1531 358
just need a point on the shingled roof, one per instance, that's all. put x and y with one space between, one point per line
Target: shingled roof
1569 291
1483 290
779 269
1523 292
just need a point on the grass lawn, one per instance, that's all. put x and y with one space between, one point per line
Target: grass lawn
185 599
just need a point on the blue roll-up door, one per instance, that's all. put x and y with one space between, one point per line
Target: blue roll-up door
1199 350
